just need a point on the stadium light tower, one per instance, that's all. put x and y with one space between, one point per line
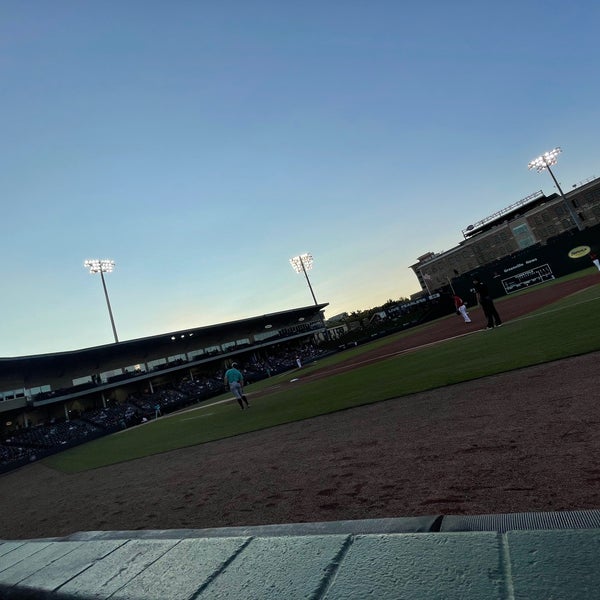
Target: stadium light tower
102 266
545 161
302 264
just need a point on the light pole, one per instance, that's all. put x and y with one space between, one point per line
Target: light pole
545 161
301 264
102 266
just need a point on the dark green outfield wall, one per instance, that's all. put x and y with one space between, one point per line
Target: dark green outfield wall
532 265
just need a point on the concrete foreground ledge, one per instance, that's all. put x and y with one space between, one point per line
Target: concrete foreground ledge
529 556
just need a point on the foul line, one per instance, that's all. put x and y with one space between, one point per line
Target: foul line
198 417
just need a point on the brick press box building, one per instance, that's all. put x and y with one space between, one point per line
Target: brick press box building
526 243
42 388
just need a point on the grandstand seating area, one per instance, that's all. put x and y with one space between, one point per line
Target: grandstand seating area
33 443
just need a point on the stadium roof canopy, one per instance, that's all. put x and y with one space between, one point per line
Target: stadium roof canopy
153 347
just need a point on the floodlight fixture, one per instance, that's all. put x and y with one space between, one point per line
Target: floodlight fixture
544 162
102 266
302 264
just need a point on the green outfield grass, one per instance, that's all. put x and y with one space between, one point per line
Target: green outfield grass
567 328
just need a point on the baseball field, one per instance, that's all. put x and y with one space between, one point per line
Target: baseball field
446 418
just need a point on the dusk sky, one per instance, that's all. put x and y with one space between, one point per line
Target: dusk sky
202 144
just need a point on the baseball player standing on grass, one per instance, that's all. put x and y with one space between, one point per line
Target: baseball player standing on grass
235 380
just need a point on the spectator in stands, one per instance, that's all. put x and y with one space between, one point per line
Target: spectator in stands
235 380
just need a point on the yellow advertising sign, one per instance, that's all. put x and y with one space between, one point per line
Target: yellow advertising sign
579 251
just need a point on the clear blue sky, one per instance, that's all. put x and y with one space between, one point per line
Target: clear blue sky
201 144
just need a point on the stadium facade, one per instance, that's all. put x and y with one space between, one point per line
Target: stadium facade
523 244
41 388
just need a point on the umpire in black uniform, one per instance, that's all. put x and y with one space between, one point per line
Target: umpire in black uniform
487 304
